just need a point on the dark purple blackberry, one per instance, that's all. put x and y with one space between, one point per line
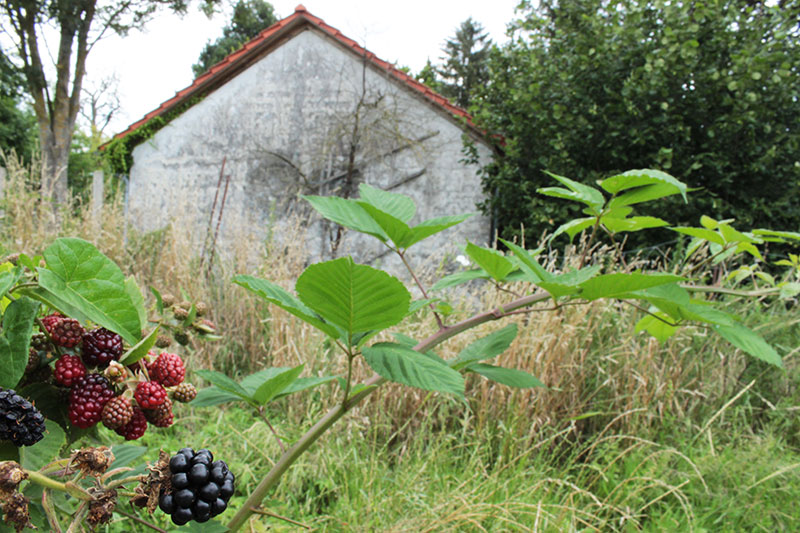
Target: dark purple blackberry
100 347
20 421
200 487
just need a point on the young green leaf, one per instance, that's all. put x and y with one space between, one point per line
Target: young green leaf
159 301
510 377
15 339
493 262
619 284
432 226
214 396
701 233
275 385
355 297
141 348
397 230
400 364
459 278
657 326
568 282
277 295
528 262
574 227
9 278
618 225
87 281
397 205
642 194
301 384
347 213
225 383
642 178
486 347
577 192
749 342
135 294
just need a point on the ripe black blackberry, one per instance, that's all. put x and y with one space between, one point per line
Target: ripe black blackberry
100 347
20 421
200 487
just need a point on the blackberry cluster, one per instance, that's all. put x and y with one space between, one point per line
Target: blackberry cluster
20 421
200 487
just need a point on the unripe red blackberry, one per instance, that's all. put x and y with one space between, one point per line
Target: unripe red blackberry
69 368
161 416
168 369
150 394
50 321
20 421
101 346
184 393
199 487
117 412
87 398
66 332
135 428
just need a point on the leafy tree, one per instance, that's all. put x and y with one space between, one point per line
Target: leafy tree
80 25
16 122
249 18
465 65
706 90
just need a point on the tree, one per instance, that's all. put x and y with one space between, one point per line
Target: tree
16 122
249 18
706 91
80 24
465 65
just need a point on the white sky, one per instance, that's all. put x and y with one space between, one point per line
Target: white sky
154 64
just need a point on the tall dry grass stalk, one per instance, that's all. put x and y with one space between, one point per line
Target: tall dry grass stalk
593 364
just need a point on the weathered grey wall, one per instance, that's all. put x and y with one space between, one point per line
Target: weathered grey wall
285 127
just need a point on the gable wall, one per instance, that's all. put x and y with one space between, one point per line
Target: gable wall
284 127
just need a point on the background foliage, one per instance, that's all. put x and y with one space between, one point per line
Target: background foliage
707 91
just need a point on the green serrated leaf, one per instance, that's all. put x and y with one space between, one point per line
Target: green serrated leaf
36 456
15 339
749 342
400 364
643 178
214 396
190 317
432 226
8 279
507 376
159 301
273 386
459 278
528 263
701 233
486 347
397 205
642 194
568 283
347 213
397 230
659 329
277 295
493 262
87 281
225 383
708 222
302 384
135 294
777 234
357 298
632 224
619 285
732 235
574 227
577 191
141 348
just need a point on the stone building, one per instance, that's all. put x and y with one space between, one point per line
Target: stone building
302 109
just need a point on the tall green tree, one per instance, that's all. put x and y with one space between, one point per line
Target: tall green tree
708 91
56 98
16 119
464 66
249 18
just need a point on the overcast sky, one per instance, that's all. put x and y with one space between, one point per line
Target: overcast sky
153 64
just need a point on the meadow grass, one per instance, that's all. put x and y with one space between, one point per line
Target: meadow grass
629 435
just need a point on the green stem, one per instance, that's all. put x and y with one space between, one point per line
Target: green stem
50 483
339 410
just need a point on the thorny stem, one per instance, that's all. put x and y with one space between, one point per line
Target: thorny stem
421 288
339 410
272 429
140 520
